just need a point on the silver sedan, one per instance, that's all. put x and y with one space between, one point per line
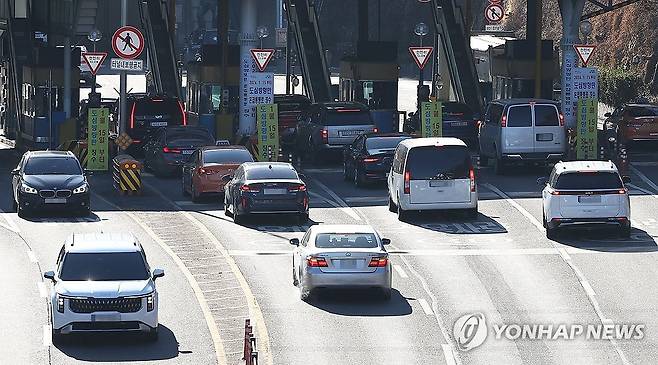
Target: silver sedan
341 256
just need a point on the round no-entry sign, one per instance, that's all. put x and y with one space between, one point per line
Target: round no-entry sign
494 13
128 42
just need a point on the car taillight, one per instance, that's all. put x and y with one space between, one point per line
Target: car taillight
170 150
375 130
132 116
378 262
314 261
370 159
503 121
561 120
325 136
555 192
182 110
407 182
471 175
296 188
622 191
249 189
478 123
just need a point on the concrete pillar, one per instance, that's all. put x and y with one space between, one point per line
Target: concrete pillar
248 38
571 11
67 76
362 14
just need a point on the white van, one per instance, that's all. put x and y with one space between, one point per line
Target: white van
522 130
432 174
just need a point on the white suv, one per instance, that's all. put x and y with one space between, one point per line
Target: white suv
103 284
585 193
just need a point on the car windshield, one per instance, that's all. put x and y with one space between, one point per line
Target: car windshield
52 166
346 240
546 116
266 173
381 143
439 162
347 117
644 111
519 116
161 110
189 137
227 156
589 181
115 266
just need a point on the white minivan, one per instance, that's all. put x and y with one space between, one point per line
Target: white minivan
522 131
432 174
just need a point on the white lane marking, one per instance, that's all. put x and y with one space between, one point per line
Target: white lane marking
643 190
567 259
32 256
426 306
43 291
366 199
198 293
564 253
644 178
11 224
345 208
400 271
47 335
448 354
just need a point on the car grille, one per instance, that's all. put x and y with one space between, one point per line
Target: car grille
47 193
90 305
63 193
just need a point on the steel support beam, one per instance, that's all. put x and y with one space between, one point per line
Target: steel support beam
605 8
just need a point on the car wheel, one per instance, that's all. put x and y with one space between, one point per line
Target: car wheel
237 218
391 206
359 178
152 335
346 174
22 212
295 281
403 215
183 189
226 205
195 195
14 205
472 213
304 295
386 293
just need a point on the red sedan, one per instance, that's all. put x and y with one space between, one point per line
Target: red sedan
203 172
636 122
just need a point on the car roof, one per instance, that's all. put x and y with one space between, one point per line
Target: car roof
524 101
342 228
391 134
642 105
337 105
259 165
575 166
102 243
434 141
225 147
51 154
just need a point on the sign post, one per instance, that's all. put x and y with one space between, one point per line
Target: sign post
97 139
267 122
431 119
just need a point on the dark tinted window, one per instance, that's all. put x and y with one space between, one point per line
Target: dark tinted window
347 117
546 116
643 111
227 156
292 104
452 111
104 267
191 136
430 162
589 181
346 240
519 116
495 113
379 143
52 166
165 110
264 173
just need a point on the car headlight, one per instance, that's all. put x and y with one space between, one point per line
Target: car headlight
28 189
150 302
81 189
60 303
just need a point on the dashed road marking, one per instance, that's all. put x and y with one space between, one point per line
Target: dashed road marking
342 205
47 335
448 354
43 291
400 271
588 288
32 256
426 306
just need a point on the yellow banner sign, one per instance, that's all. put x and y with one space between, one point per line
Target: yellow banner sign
586 134
267 125
431 119
97 134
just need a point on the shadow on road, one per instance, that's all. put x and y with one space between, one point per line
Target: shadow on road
362 303
100 347
607 240
455 222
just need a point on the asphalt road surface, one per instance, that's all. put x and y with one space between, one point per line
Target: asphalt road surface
445 266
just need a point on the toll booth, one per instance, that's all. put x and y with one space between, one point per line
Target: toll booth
43 97
212 91
371 77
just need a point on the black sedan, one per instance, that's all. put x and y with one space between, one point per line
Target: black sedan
47 180
369 157
265 188
171 147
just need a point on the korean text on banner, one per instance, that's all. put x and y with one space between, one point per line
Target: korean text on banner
267 121
97 139
586 134
431 119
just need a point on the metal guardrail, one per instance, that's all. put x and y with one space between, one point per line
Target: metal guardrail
250 355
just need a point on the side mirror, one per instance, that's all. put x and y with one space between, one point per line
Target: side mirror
607 115
50 275
158 273
542 181
227 178
15 172
294 241
386 241
88 172
626 179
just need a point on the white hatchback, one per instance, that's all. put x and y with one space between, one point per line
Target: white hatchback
103 284
432 174
585 193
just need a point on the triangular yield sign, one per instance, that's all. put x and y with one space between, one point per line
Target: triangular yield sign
94 60
584 52
421 55
262 57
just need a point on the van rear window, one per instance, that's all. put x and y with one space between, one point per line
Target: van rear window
438 162
347 118
519 116
589 181
166 110
546 116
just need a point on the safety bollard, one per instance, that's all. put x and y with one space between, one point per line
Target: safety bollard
127 175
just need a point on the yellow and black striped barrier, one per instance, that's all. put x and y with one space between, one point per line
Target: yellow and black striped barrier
127 175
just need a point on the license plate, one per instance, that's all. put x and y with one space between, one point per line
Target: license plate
587 199
274 191
55 201
459 124
440 183
544 137
158 124
106 317
188 152
347 264
349 133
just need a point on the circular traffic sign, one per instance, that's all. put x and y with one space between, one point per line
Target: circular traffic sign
494 13
128 42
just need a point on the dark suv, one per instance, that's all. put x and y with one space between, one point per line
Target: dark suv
149 113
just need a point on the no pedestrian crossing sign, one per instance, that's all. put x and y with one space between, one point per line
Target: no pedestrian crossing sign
128 42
